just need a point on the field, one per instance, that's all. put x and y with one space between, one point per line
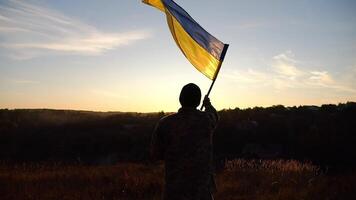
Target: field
241 179
95 156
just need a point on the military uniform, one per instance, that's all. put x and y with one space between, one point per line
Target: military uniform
184 141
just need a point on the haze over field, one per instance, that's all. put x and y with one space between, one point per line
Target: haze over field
119 55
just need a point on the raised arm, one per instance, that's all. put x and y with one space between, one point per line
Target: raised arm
213 114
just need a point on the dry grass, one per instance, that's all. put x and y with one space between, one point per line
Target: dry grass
48 181
260 180
284 180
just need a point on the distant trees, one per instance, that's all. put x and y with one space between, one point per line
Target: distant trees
326 134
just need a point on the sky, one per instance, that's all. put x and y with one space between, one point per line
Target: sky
118 55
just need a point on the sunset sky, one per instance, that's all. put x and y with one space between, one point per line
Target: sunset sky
118 55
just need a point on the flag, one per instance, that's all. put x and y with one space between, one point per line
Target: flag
204 51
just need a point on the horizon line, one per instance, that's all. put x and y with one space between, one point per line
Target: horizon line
223 109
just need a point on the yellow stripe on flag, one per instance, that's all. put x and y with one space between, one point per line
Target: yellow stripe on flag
198 56
155 3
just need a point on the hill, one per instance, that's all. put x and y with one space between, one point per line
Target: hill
323 134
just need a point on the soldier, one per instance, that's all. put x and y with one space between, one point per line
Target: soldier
184 141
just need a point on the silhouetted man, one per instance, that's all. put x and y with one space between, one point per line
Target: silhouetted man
184 141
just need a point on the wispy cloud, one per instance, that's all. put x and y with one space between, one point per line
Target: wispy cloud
285 65
284 73
321 78
29 30
249 76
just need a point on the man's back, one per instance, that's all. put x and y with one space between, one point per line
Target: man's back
184 141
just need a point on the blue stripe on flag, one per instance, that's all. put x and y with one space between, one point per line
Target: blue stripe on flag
201 36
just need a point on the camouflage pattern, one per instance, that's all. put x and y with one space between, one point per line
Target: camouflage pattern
184 141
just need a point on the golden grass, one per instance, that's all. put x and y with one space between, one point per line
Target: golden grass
260 180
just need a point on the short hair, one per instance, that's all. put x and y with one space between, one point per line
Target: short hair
190 96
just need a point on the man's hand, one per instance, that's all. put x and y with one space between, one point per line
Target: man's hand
206 101
210 110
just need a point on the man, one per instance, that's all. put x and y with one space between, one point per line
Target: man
184 141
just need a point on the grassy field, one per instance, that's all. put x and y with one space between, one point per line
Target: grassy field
261 180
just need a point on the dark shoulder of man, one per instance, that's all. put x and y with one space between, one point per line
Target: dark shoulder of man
211 117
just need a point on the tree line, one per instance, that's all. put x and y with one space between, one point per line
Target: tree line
325 135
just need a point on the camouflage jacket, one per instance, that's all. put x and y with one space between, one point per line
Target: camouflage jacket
184 141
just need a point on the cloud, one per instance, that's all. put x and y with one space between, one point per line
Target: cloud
249 76
321 78
29 30
284 65
284 73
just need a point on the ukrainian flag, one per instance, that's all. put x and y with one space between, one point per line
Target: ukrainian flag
204 51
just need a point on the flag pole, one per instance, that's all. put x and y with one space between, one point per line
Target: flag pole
222 57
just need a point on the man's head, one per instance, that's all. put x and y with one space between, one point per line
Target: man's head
190 96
